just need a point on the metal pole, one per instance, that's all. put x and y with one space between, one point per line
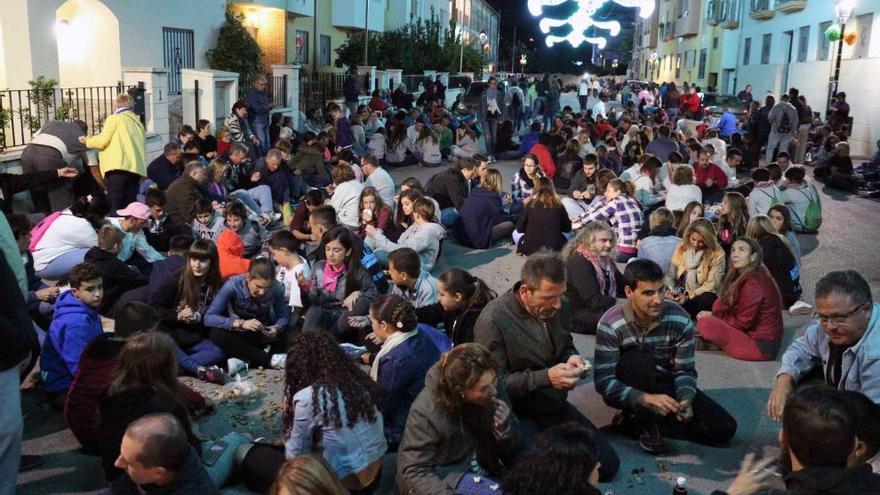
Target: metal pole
315 41
832 89
366 31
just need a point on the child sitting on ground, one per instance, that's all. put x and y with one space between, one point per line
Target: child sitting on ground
284 248
208 223
411 283
253 235
118 277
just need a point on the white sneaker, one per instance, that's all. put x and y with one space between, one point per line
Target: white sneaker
235 366
278 360
800 308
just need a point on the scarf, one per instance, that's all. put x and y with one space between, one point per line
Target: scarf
692 260
393 341
604 271
331 277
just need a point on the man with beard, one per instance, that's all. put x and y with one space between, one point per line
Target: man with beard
529 336
645 367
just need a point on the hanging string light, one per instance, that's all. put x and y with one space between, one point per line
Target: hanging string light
583 19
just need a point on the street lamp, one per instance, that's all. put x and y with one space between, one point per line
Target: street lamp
484 39
842 10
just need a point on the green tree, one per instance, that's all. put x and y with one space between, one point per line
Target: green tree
236 50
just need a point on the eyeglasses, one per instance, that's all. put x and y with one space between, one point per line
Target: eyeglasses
836 320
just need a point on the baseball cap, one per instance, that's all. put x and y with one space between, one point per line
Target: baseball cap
135 209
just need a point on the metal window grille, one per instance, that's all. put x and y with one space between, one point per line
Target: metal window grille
177 47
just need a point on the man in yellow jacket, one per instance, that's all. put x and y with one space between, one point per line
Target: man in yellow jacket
122 154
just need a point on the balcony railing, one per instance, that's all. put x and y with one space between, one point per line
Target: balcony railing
713 12
761 10
729 15
789 6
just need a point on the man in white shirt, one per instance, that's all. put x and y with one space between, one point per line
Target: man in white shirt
599 109
583 93
378 178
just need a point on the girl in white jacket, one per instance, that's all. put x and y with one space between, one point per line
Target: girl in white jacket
429 147
70 235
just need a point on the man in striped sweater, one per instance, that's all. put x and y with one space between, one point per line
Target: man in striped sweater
645 367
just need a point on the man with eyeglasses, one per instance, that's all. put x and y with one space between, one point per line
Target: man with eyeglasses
840 347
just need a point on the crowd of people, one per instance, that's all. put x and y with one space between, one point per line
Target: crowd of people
643 220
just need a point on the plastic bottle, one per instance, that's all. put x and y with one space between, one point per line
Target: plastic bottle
680 486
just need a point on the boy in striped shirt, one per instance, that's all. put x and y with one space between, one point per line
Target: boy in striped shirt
644 365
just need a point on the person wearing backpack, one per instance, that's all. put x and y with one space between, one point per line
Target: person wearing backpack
515 107
802 200
765 193
783 126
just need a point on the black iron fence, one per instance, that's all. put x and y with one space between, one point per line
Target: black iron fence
24 111
276 88
317 88
414 82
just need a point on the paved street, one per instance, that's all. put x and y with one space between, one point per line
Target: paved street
849 239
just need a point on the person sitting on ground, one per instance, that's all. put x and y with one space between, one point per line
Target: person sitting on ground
803 201
372 211
564 459
583 186
429 148
144 382
166 167
709 177
332 409
653 381
764 194
696 268
449 188
465 143
67 236
593 281
253 236
660 243
819 437
461 299
539 373
399 368
230 250
307 473
779 258
155 451
309 162
208 223
346 194
118 278
483 221
75 323
159 228
691 212
183 300
248 314
866 415
183 193
423 236
682 190
845 316
541 150
130 222
284 185
746 319
378 178
623 213
733 218
289 265
460 427
523 183
780 216
339 287
414 285
299 224
543 222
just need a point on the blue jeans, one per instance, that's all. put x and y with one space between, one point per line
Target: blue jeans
220 470
258 199
205 353
61 266
261 130
448 216
11 429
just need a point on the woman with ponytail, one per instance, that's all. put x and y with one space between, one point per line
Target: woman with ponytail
623 213
400 366
460 431
462 298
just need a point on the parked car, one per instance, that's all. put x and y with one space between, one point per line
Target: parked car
715 103
471 98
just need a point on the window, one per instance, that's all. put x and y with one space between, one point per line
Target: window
864 41
824 44
702 72
301 43
324 50
715 43
689 59
803 43
177 48
765 48
747 51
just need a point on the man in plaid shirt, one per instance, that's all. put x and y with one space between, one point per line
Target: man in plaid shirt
623 213
644 365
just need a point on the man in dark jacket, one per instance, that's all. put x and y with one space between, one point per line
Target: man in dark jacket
351 90
449 188
165 169
529 337
259 106
56 146
11 184
118 277
184 192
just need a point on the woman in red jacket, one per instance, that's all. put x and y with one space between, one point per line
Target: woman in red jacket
746 320
545 158
689 102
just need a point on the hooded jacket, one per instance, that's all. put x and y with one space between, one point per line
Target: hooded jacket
119 278
437 447
210 231
448 187
231 252
424 239
479 213
309 160
121 144
182 195
74 325
459 325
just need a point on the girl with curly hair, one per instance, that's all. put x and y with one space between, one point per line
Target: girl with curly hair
460 430
331 408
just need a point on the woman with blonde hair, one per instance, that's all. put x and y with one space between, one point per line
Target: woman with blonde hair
593 282
307 474
482 215
697 268
543 223
779 258
746 319
623 213
460 427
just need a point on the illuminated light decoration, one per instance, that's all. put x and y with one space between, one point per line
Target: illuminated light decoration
850 38
582 19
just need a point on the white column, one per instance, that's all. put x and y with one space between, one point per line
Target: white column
395 77
217 91
290 106
368 70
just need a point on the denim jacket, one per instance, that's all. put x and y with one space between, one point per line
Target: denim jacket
860 370
234 301
347 450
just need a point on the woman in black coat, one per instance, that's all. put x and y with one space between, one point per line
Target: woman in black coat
779 258
543 222
483 221
593 282
462 299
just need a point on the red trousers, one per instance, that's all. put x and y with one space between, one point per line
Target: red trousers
731 339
